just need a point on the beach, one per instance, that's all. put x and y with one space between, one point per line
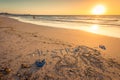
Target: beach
69 54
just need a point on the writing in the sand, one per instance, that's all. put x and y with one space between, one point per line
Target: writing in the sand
59 51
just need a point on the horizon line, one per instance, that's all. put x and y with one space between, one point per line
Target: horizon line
7 13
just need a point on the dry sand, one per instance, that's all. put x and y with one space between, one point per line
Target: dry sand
69 54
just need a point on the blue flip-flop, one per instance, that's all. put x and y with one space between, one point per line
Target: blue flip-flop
40 63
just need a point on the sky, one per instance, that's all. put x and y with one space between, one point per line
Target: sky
58 7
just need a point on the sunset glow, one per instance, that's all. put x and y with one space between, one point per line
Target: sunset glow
61 7
98 10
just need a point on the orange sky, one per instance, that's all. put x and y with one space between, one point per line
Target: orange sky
58 7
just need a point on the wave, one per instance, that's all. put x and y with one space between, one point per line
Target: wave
109 26
113 21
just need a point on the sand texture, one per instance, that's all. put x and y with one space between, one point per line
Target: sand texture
69 54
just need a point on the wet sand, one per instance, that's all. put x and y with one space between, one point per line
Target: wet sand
69 54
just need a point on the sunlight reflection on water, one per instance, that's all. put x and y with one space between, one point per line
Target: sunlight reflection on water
94 28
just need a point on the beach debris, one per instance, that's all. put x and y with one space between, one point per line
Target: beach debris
25 65
5 71
1 75
18 74
102 47
76 49
40 63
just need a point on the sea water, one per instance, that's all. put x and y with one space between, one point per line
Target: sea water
108 25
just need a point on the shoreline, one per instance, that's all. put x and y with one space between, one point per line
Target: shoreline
55 25
67 53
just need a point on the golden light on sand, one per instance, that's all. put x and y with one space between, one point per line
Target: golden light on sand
98 10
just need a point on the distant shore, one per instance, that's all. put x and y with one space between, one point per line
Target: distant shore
21 42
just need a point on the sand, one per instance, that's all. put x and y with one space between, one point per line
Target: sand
69 54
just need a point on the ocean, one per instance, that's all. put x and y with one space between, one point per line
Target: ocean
108 25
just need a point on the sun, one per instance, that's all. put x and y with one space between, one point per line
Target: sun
98 10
